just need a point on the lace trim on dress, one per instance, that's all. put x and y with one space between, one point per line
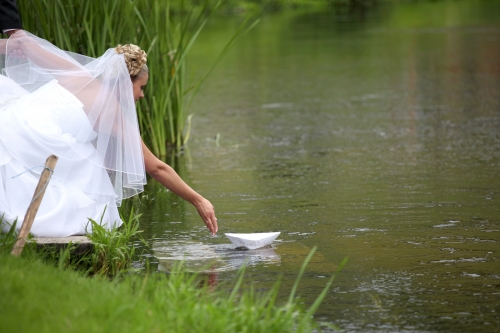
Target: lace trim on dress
6 100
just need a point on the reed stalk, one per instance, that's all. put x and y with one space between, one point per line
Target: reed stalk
167 34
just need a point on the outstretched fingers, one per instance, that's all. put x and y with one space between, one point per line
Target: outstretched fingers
211 224
207 213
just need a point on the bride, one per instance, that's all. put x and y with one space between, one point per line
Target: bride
82 110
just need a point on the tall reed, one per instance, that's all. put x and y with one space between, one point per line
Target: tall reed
91 27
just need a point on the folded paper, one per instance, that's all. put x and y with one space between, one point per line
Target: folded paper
252 241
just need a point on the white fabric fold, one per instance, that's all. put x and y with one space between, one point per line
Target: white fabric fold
80 109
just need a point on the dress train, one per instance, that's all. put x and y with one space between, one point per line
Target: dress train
51 120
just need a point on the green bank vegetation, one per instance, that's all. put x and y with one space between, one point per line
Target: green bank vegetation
58 291
165 29
113 249
241 6
38 297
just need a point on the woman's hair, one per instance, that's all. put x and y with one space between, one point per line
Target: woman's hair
135 58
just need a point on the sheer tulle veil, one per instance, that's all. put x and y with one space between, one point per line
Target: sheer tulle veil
104 88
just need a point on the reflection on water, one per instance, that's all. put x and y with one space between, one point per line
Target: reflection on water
375 137
200 257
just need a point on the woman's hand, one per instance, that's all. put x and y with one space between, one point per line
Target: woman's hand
15 43
167 176
16 52
207 213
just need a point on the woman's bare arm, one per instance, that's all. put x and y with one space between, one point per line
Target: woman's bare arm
11 32
70 74
29 46
167 176
23 45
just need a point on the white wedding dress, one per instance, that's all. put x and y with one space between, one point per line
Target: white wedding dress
88 181
54 115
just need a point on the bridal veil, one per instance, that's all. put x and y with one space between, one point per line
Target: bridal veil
104 88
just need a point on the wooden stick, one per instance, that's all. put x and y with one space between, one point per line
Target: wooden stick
50 164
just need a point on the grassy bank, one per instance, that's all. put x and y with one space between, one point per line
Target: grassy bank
37 297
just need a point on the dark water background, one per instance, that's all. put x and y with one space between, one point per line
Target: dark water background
372 134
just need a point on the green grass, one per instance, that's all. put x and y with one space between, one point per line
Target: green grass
7 239
113 250
36 297
51 291
112 254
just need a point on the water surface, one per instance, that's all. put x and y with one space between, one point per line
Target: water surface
372 134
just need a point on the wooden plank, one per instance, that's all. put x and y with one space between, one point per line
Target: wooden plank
82 243
50 164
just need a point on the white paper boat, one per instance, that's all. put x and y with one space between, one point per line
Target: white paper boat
252 241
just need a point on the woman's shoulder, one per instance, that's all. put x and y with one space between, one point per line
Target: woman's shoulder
53 93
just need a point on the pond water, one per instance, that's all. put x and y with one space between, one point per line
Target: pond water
371 134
